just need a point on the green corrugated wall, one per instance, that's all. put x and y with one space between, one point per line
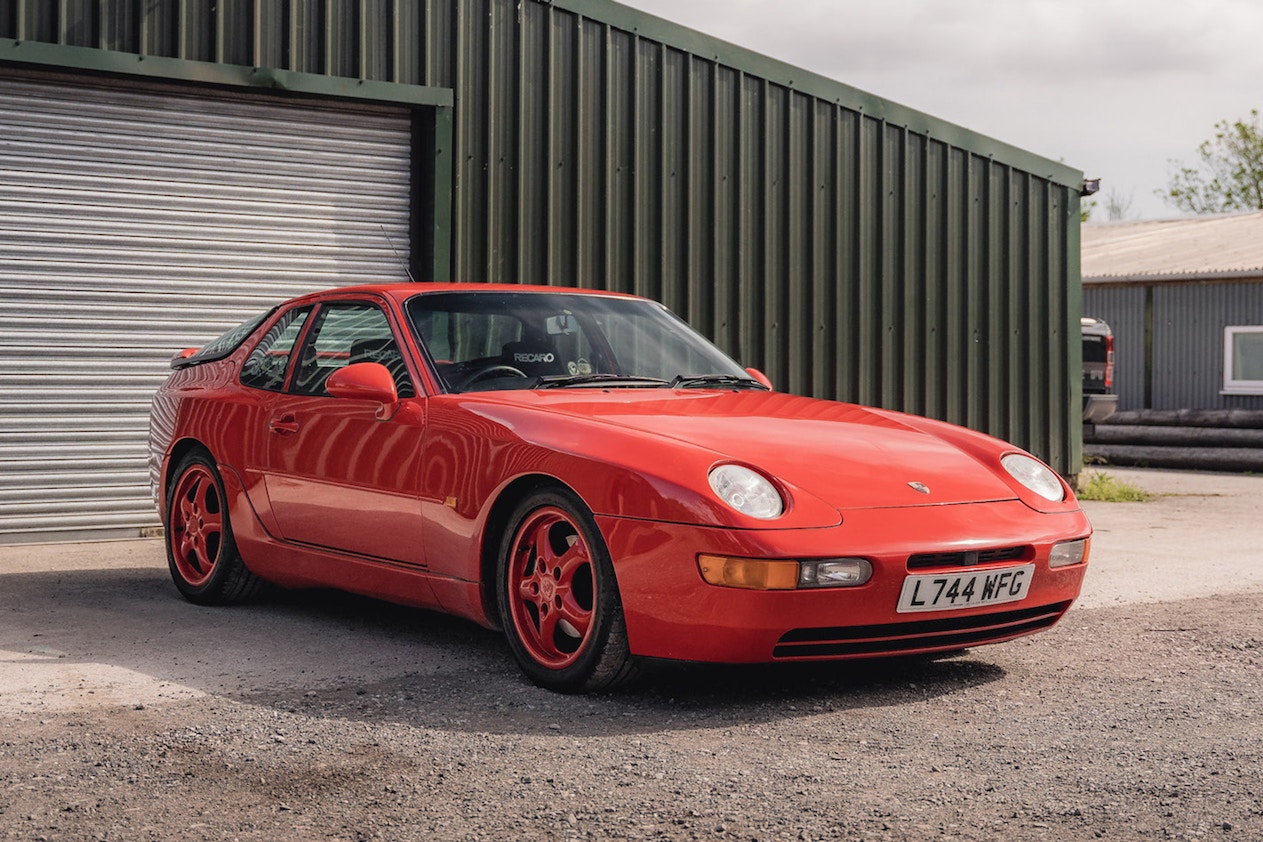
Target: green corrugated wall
848 246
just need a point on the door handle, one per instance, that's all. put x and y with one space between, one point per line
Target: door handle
286 425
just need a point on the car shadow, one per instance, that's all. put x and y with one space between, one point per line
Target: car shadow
336 655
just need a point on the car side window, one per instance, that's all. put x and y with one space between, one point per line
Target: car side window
346 333
266 365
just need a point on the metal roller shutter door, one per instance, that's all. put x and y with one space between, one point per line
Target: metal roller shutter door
133 224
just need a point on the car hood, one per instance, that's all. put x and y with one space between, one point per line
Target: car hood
849 456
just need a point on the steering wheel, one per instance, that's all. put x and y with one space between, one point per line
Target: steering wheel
495 370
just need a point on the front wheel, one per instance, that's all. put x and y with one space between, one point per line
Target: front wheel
558 599
201 552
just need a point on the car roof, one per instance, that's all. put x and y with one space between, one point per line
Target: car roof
1094 326
403 291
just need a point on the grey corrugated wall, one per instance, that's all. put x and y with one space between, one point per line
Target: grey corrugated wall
850 247
133 225
1184 367
1123 309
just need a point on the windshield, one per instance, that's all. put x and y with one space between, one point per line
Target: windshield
525 340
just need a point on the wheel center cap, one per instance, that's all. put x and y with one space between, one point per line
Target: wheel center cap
547 588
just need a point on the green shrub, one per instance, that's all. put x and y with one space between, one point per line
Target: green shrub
1098 485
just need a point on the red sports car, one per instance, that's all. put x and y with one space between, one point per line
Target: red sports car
586 472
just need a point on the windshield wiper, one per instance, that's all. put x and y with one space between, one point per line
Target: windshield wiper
692 381
563 381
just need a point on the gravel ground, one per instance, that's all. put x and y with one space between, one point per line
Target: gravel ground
128 714
1120 724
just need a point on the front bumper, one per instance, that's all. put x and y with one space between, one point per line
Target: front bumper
671 613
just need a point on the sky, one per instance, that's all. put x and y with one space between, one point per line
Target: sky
1117 88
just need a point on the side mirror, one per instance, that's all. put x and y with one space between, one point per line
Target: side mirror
365 382
761 377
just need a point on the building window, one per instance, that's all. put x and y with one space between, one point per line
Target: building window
1243 360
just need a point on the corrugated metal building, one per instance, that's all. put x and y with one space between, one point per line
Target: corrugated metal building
1185 300
167 168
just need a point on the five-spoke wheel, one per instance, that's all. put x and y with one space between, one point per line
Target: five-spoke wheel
201 552
197 524
558 599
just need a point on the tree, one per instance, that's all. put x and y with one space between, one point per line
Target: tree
1118 206
1230 176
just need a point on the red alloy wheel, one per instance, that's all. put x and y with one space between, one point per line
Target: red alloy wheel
552 588
197 525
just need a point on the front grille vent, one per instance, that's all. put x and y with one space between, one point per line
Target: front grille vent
923 561
917 635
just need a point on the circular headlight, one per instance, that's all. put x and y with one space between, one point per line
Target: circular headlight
747 491
1035 475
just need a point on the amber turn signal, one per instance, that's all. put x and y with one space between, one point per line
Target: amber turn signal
751 573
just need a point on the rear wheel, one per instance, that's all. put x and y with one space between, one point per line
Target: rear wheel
558 600
201 552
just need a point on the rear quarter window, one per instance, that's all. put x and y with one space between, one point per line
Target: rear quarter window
225 343
266 366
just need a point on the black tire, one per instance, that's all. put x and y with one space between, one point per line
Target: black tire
201 552
558 599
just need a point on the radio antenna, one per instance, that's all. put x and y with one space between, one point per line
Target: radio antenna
398 256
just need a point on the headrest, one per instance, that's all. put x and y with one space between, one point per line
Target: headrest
533 358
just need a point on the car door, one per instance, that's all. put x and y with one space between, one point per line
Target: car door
337 475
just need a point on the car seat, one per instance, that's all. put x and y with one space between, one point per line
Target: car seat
533 356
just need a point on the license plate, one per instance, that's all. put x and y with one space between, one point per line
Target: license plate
946 591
